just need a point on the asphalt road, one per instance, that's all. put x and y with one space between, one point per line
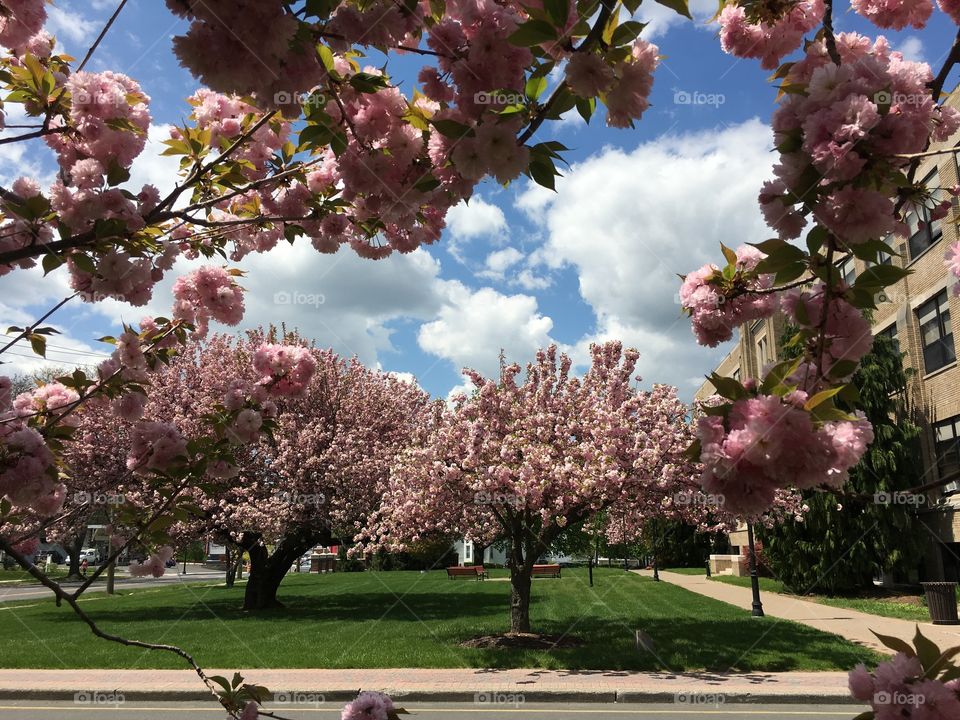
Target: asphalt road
16 710
13 593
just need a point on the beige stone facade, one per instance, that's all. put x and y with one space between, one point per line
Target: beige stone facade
924 314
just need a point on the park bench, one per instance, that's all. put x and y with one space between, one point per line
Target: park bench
474 571
546 571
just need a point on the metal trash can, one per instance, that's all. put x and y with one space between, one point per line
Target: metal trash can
942 602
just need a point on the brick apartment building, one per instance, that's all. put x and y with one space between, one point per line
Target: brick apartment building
922 314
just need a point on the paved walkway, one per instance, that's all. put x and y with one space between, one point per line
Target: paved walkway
853 625
447 685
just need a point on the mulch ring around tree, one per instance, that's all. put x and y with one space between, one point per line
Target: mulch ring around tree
526 641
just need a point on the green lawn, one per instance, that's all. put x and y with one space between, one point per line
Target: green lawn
410 619
874 606
19 576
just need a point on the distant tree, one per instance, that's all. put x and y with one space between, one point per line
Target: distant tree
845 538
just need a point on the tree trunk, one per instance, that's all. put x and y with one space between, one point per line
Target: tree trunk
267 571
522 557
520 580
73 552
231 567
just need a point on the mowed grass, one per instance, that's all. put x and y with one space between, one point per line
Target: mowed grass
412 619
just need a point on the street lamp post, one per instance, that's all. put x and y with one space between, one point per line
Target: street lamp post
754 578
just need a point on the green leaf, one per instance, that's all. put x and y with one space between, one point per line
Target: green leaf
679 6
452 129
39 344
51 261
927 651
326 57
535 87
533 32
821 397
727 387
586 108
543 172
895 644
816 239
558 11
880 276
729 254
627 32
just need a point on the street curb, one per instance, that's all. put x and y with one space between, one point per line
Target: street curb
701 697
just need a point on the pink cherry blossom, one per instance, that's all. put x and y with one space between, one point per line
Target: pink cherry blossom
155 565
951 8
894 14
155 446
22 20
368 706
770 39
208 293
588 74
952 261
285 370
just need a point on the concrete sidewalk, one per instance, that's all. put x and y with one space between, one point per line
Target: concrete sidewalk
853 625
442 685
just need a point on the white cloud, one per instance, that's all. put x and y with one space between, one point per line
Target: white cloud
499 261
152 168
629 222
66 23
660 19
912 48
478 219
473 326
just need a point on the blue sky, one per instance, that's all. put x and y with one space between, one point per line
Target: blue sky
517 268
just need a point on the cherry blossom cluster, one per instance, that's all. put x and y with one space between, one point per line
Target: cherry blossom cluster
285 370
899 688
228 48
841 132
21 20
209 292
894 14
768 443
767 31
719 301
28 469
155 565
155 446
22 229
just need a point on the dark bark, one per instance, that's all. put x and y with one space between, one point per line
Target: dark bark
268 570
73 549
521 572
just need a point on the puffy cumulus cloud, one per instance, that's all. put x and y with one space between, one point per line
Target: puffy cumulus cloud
499 261
342 301
476 220
629 222
474 325
912 49
660 19
153 168
67 23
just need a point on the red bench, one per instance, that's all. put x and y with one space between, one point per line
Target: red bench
474 571
546 571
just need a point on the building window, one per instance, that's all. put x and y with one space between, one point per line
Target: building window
946 436
936 333
761 353
468 551
847 271
891 332
923 231
736 374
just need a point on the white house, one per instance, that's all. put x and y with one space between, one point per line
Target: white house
468 553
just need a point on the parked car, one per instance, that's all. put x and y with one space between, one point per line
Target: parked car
55 550
91 555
